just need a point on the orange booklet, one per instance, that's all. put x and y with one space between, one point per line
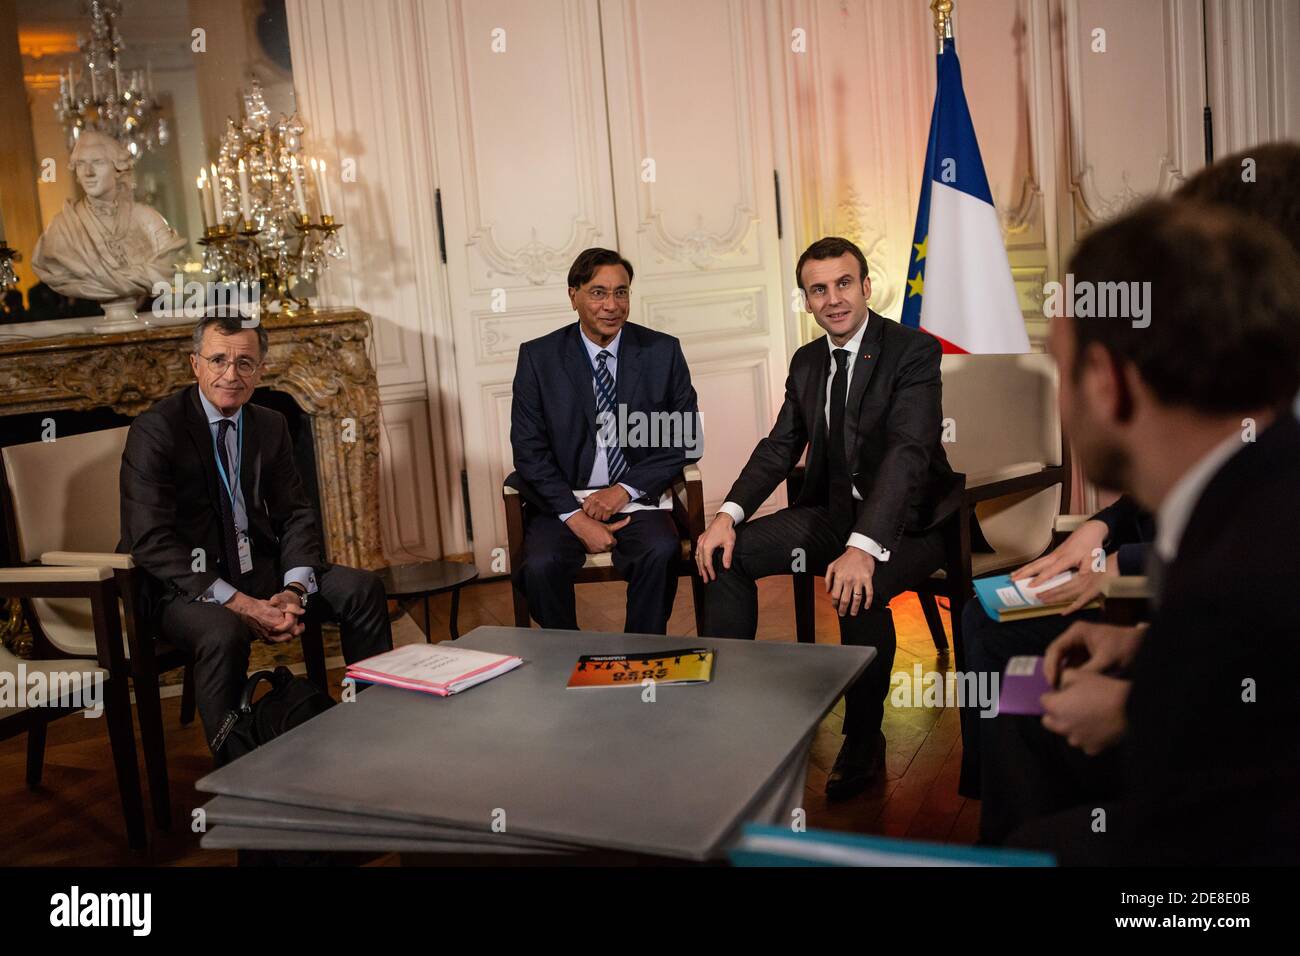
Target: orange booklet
693 666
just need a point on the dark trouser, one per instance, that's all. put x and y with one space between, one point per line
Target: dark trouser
1029 772
217 639
645 555
767 546
987 645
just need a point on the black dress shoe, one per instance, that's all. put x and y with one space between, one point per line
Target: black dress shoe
861 760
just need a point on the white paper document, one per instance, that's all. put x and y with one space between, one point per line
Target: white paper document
433 668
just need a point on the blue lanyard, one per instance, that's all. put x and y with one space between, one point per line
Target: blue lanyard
221 472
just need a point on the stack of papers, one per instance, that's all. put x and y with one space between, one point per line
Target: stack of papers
432 668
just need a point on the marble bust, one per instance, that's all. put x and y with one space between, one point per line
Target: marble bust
105 246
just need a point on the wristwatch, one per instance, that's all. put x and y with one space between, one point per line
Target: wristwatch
299 590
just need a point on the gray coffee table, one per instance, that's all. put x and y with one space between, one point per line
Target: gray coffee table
597 769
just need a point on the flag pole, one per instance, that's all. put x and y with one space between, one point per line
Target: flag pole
942 20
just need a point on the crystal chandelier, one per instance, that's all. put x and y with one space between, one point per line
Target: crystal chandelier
257 201
105 97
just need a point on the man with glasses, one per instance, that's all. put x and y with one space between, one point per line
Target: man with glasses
213 510
604 418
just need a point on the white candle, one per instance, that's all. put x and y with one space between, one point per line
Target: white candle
297 185
94 86
218 206
206 195
243 191
117 78
203 201
327 207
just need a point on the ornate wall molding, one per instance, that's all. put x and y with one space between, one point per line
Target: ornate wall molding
1180 72
319 359
701 248
536 261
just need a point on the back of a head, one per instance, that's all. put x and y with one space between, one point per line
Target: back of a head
1222 332
1262 181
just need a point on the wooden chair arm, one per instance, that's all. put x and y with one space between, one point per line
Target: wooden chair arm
1068 524
514 504
37 581
688 503
95 583
1034 481
1128 587
82 559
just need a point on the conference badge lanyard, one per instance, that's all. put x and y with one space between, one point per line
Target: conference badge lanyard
244 546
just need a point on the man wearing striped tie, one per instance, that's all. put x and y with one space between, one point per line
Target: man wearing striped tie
603 420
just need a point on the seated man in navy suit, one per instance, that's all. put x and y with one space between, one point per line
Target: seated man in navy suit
604 419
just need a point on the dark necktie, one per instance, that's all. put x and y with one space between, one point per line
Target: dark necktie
841 488
229 536
606 404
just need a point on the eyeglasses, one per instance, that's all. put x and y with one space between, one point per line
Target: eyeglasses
600 295
244 366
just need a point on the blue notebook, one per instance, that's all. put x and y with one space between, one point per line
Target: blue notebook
1006 600
763 845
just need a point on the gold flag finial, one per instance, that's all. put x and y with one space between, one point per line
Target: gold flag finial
942 20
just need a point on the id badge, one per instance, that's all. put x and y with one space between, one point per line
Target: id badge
245 554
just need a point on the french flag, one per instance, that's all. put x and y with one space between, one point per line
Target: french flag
959 286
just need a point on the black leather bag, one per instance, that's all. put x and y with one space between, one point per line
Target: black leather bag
290 701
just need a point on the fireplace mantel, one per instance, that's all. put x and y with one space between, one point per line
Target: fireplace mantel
317 358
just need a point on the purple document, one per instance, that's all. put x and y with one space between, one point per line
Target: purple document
1022 684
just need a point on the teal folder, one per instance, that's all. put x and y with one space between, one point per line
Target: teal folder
764 845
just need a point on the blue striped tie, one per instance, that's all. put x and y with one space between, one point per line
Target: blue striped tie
607 436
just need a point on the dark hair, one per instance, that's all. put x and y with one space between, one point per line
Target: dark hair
830 247
1272 194
1223 314
230 325
589 260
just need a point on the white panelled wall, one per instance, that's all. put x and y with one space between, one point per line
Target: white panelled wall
535 118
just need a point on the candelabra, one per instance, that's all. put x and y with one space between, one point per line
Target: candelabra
257 201
106 98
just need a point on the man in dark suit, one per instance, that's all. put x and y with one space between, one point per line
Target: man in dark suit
1124 529
214 512
866 403
603 420
1113 542
1183 738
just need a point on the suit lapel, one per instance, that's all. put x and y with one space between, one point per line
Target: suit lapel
863 367
196 426
629 367
578 367
250 459
818 377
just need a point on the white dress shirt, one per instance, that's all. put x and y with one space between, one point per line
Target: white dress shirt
1175 511
856 540
600 467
